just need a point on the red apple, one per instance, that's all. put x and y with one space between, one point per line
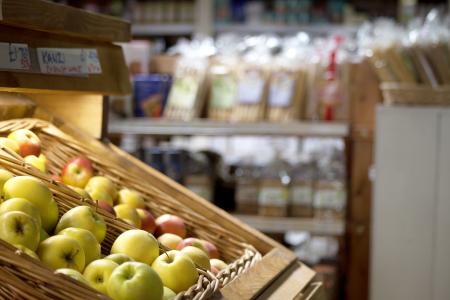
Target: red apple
28 142
213 252
192 242
77 172
170 224
106 206
147 220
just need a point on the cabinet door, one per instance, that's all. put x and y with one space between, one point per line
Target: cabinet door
404 206
441 273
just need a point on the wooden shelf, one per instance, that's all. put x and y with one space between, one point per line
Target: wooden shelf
319 29
145 126
142 30
279 225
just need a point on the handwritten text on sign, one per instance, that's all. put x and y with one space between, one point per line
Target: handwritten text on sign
68 61
14 57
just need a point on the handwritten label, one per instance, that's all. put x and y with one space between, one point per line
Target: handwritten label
62 61
14 57
93 63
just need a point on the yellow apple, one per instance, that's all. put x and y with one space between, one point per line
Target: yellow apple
72 274
17 227
83 217
4 177
102 183
23 205
38 162
137 244
62 251
27 251
168 294
199 257
131 197
87 241
10 144
101 195
44 235
97 273
135 281
170 240
218 264
177 270
119 258
28 142
37 193
128 214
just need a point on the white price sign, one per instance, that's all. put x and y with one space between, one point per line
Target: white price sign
62 61
14 57
93 63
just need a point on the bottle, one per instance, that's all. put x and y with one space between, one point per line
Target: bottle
247 177
302 188
273 197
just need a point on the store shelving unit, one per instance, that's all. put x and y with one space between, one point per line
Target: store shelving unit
317 29
143 30
281 225
145 126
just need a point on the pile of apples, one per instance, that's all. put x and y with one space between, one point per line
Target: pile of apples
135 268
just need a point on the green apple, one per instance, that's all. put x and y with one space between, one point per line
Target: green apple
101 183
28 142
199 257
4 177
37 193
101 195
128 214
23 205
87 240
119 258
17 227
83 217
10 144
38 162
168 294
177 270
98 272
218 264
131 197
73 274
44 235
137 244
135 281
27 251
77 172
62 251
170 240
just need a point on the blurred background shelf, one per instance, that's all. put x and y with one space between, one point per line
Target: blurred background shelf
283 224
315 29
148 30
146 126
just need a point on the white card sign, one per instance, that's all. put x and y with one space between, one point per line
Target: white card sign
93 63
14 57
62 61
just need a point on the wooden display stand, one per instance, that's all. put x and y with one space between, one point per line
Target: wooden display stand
78 99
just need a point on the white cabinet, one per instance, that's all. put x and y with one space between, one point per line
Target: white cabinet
410 247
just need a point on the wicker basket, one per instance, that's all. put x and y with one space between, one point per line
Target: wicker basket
60 147
411 94
26 278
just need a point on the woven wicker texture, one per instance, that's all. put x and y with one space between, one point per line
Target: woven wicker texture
411 94
60 147
27 272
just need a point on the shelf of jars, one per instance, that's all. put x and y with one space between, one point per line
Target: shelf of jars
282 224
146 126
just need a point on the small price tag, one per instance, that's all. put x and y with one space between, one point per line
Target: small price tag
14 57
93 63
62 61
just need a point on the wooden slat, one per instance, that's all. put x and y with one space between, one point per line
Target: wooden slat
113 80
250 284
60 19
84 111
